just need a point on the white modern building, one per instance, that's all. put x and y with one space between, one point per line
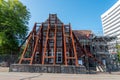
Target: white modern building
111 21
111 25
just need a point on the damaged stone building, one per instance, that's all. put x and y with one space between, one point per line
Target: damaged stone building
54 43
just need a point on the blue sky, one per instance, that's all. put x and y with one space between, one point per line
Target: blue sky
82 14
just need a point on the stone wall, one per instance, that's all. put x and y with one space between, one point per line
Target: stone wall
48 68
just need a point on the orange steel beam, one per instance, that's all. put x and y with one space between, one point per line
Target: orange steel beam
46 41
55 44
22 56
26 59
55 40
41 44
74 48
34 37
29 37
36 44
64 42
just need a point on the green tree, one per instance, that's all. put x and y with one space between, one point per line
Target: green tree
14 18
118 51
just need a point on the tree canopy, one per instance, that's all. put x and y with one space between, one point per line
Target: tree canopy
14 18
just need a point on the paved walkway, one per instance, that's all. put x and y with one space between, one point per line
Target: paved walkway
5 75
49 76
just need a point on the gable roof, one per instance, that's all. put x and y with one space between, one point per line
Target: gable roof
53 19
82 34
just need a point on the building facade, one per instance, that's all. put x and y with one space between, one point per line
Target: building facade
111 21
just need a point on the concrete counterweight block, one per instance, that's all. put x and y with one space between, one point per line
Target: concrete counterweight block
38 68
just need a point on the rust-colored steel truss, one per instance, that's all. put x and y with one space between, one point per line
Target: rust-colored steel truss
52 42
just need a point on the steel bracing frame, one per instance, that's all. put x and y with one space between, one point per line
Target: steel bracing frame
48 39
